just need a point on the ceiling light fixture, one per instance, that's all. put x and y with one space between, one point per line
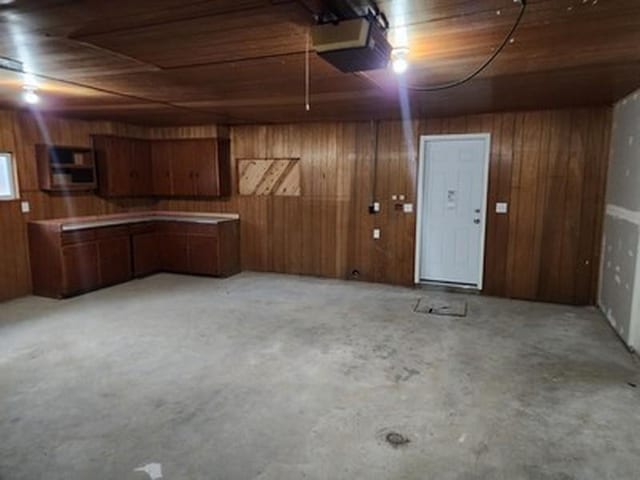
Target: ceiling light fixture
399 61
29 95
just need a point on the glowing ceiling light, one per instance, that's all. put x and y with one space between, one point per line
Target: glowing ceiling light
399 61
29 95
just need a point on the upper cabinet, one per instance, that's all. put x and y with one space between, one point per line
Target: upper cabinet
191 167
124 166
65 169
185 167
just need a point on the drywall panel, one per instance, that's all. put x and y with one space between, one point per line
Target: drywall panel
619 296
623 188
620 248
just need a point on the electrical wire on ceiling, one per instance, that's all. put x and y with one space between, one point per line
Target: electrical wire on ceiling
475 73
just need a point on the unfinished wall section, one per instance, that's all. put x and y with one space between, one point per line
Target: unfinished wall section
619 295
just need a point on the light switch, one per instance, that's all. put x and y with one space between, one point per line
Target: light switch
400 197
25 207
407 208
376 206
376 233
394 197
502 207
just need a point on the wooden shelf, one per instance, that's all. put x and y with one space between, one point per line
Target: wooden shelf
65 168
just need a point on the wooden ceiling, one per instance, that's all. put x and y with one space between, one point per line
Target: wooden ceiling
242 61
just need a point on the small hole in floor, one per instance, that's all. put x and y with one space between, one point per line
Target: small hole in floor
631 384
396 439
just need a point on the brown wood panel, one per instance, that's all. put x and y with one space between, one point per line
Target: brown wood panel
19 133
548 165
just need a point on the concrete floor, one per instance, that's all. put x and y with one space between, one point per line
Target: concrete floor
276 377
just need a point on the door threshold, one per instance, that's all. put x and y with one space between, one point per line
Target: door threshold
448 286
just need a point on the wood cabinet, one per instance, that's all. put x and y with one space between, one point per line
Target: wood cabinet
191 167
129 167
65 263
145 250
161 155
65 169
124 166
80 271
114 256
189 248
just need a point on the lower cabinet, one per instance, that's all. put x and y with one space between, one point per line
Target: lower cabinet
80 271
114 256
146 255
70 262
174 256
203 254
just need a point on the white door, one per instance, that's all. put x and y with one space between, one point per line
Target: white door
452 208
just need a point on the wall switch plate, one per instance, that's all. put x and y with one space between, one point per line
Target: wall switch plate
502 207
25 207
374 207
394 197
407 208
400 197
376 233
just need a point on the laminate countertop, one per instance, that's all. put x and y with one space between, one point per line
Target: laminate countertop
97 221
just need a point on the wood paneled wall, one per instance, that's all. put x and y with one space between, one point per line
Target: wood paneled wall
550 166
19 132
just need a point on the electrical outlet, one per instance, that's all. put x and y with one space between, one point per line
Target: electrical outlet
407 207
376 233
25 207
502 207
374 207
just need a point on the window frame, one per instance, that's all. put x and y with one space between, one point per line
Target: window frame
13 174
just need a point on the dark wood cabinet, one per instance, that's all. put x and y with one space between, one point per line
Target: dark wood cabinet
162 179
174 255
80 271
191 167
65 169
114 254
129 167
68 262
124 166
203 254
146 257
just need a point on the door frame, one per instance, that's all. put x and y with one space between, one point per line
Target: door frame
422 170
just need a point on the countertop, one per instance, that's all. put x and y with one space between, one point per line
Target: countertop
96 221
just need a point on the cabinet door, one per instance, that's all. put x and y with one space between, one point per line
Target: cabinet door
140 168
173 252
161 154
115 260
203 255
80 267
113 163
146 255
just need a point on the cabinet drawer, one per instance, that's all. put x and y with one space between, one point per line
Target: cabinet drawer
146 227
109 232
78 236
202 229
171 227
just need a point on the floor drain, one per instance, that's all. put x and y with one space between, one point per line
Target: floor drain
396 439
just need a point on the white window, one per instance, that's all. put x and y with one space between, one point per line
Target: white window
8 188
